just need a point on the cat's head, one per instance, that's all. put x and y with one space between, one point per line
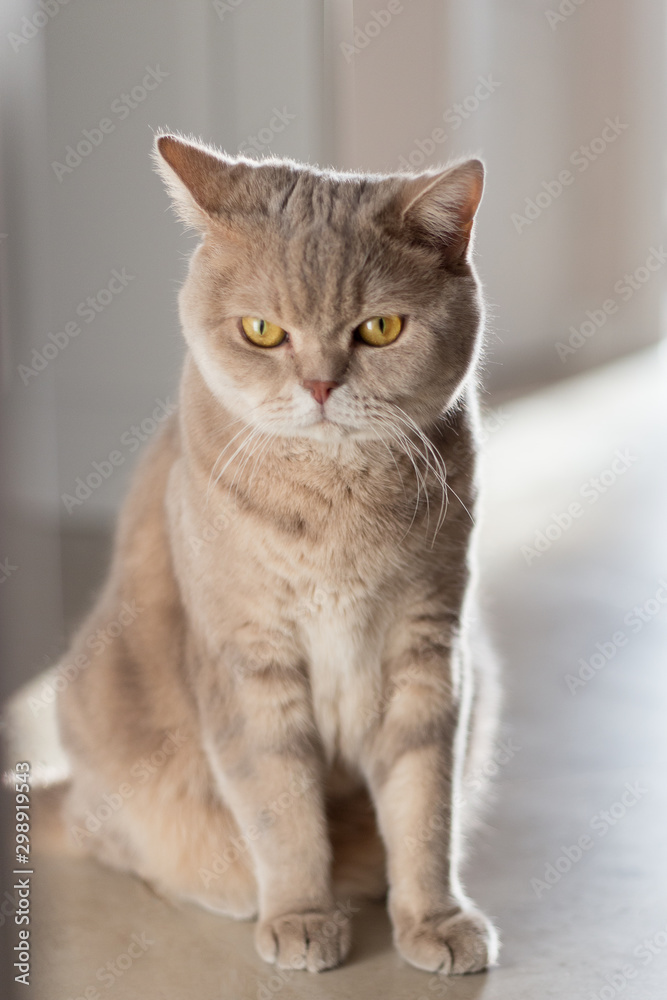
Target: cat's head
326 304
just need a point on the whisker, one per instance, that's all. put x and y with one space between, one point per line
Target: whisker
441 464
391 455
259 455
258 449
230 442
410 451
436 466
240 449
405 445
247 454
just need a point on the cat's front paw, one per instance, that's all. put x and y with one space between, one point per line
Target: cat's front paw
463 941
313 940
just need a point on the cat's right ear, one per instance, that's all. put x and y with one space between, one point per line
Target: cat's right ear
200 181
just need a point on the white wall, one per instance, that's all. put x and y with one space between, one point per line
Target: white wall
30 598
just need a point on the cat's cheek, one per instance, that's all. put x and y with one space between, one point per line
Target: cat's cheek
212 370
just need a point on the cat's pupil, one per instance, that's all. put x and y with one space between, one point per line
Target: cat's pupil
381 324
261 326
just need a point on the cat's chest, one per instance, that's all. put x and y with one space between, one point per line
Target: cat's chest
343 641
343 580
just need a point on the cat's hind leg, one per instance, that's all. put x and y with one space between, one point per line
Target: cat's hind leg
173 831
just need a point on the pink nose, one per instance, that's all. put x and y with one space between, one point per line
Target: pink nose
319 390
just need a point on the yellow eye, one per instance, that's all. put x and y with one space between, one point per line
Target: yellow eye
261 332
380 330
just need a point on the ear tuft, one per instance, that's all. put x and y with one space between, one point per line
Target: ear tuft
442 206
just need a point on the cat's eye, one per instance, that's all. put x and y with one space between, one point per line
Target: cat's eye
261 332
380 330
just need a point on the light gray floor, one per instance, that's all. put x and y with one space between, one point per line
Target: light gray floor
599 929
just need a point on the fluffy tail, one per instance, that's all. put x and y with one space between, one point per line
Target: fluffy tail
30 735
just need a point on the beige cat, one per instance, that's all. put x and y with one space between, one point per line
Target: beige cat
294 567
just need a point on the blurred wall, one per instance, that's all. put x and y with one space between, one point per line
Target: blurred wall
567 109
565 102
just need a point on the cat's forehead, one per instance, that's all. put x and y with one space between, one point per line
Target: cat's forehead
312 279
336 202
314 246
323 275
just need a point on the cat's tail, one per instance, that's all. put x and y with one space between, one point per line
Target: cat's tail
33 757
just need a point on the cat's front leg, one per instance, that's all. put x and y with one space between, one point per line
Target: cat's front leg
264 750
413 769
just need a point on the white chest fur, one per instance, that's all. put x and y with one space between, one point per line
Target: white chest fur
343 645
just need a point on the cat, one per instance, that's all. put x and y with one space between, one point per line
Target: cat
291 709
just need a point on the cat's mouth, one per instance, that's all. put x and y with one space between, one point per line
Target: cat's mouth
325 427
334 420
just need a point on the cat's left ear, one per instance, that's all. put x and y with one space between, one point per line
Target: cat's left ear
441 207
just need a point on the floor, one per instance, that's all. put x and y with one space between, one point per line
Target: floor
572 862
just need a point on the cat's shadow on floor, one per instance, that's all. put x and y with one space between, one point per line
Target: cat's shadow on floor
372 944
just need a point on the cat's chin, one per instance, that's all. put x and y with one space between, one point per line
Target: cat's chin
331 432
